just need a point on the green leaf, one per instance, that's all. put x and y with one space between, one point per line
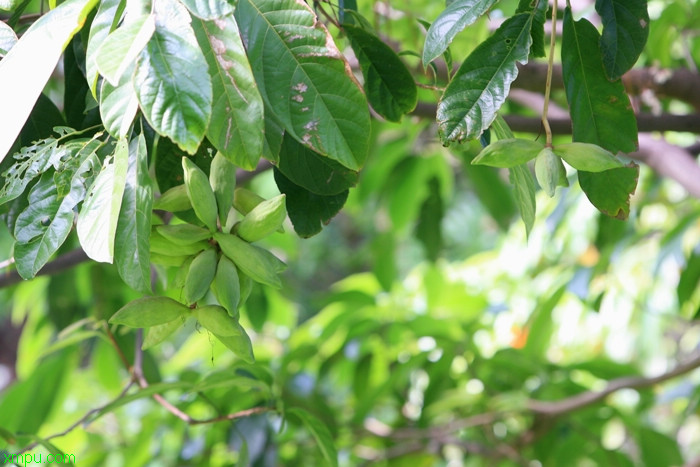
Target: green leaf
389 85
657 448
237 123
258 263
308 169
319 431
44 118
118 106
120 49
131 246
481 84
428 228
8 39
217 320
31 162
48 219
105 21
539 8
587 157
307 211
600 110
209 9
689 280
97 221
610 191
27 67
171 79
625 32
524 184
304 79
149 311
506 153
458 15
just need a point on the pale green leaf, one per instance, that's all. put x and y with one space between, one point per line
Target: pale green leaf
131 247
319 431
105 21
524 185
27 67
8 39
458 15
304 79
149 311
171 79
237 123
209 9
118 106
97 221
119 50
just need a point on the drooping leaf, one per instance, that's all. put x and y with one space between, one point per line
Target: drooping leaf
239 344
48 219
524 185
320 175
237 123
601 112
657 448
539 8
319 431
625 32
27 67
149 311
105 21
120 49
458 15
480 86
8 39
689 280
131 246
388 84
171 79
506 153
610 190
429 228
304 79
307 211
209 9
158 333
98 218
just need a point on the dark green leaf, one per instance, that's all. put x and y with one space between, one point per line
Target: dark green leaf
320 175
304 79
97 221
384 264
625 32
41 122
150 311
131 245
493 193
237 122
481 84
428 229
389 85
171 79
307 211
610 191
601 112
690 278
539 7
458 15
319 431
657 449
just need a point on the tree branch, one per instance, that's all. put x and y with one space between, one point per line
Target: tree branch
553 409
63 262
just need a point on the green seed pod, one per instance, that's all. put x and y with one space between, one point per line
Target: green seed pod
200 194
199 276
222 177
263 220
166 247
587 157
548 167
245 200
183 234
261 265
246 284
215 319
226 286
173 200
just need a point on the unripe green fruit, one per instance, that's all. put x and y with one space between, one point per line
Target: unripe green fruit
226 286
245 200
199 276
183 234
263 220
587 157
200 193
261 265
548 169
222 177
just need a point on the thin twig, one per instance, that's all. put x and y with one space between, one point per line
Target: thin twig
548 85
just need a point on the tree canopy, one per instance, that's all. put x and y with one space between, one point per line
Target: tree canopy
330 232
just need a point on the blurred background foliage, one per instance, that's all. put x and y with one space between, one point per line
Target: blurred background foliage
421 326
